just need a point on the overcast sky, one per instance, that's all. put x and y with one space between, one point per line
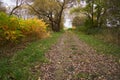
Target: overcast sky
8 2
68 23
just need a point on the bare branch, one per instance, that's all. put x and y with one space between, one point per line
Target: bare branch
19 3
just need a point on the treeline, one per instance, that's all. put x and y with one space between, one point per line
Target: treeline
99 17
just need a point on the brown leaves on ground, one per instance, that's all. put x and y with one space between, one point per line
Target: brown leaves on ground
72 59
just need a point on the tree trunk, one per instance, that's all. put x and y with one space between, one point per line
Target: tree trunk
92 12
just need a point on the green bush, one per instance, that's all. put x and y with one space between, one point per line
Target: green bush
89 27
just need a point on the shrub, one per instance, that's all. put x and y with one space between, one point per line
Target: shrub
34 27
89 27
9 28
12 29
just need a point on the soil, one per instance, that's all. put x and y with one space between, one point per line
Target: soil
72 59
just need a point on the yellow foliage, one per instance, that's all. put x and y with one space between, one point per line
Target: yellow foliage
34 26
10 35
12 29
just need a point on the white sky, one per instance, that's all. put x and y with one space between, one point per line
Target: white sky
67 18
8 2
68 23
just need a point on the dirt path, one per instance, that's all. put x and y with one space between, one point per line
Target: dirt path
72 59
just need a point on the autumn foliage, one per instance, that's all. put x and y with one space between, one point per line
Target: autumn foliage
13 29
33 26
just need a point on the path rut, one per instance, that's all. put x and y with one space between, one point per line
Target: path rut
72 59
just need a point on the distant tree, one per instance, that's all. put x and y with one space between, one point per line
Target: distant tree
2 7
113 17
113 12
78 21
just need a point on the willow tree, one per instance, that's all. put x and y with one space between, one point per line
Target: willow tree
51 11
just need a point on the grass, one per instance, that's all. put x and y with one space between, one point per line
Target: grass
82 75
18 67
100 45
87 76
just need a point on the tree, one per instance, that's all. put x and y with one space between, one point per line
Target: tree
113 17
17 5
2 8
94 11
78 21
113 12
51 11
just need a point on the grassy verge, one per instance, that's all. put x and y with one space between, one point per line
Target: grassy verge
100 45
19 66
